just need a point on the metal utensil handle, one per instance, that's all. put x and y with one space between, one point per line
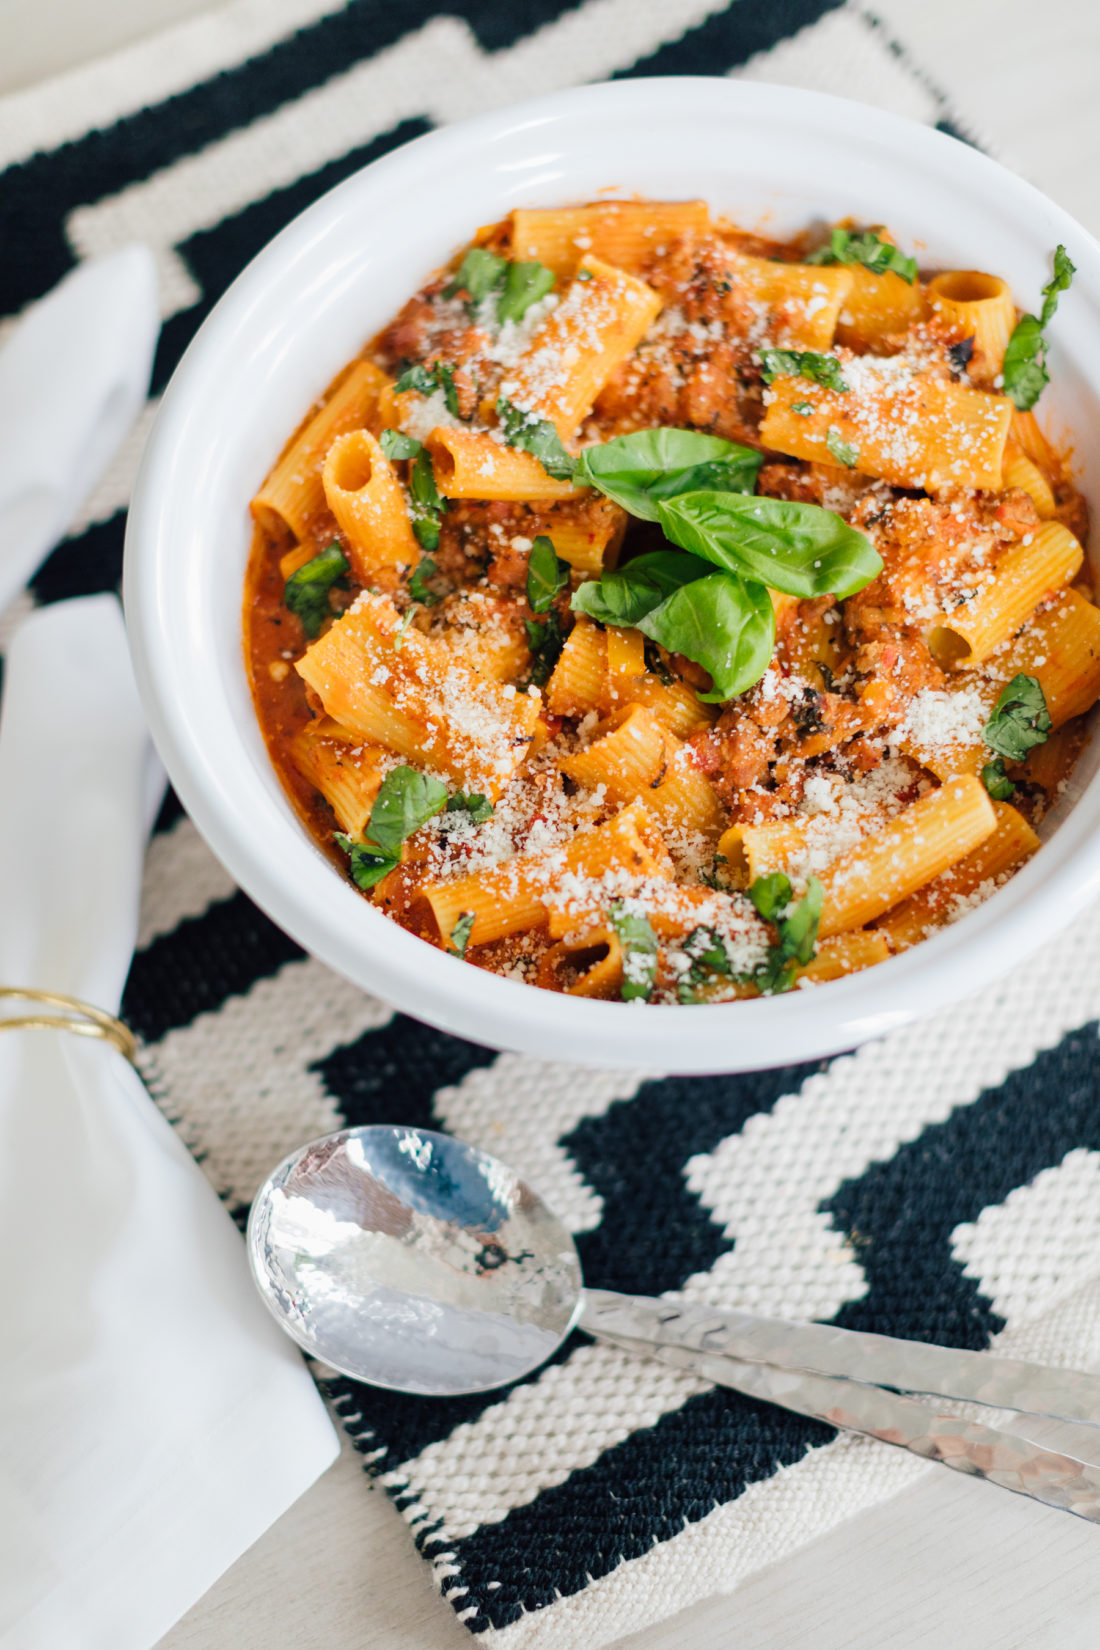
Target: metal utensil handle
824 1349
1001 1458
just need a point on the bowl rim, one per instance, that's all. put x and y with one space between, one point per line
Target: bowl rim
332 922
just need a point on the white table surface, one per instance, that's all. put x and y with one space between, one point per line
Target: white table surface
986 1571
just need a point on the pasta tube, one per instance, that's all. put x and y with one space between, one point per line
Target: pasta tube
348 776
292 497
624 233
919 844
805 300
394 687
578 682
603 316
1031 570
471 464
514 897
978 306
1021 471
904 427
1009 844
368 501
878 307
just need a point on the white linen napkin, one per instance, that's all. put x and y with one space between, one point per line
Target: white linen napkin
153 1419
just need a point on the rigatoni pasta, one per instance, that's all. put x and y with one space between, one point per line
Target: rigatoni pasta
656 612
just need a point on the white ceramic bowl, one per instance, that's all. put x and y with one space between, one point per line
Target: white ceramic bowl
763 154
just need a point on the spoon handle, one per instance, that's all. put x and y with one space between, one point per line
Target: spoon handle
1001 1458
824 1349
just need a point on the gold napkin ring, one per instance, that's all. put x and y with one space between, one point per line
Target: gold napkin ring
80 1018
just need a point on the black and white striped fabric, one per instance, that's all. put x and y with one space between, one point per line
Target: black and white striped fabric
943 1183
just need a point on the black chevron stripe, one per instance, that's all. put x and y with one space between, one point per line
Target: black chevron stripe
85 564
636 1495
195 968
654 1233
37 195
900 1214
731 37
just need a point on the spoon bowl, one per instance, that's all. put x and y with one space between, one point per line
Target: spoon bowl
410 1260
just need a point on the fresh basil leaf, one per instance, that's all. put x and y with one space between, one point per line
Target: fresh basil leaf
546 639
547 574
771 895
537 436
996 781
524 285
879 256
624 595
367 866
479 808
797 936
1020 719
635 470
460 933
797 548
396 444
427 503
478 273
722 622
842 450
639 947
407 800
418 589
306 592
803 363
1023 372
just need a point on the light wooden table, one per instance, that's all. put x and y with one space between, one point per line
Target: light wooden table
984 1571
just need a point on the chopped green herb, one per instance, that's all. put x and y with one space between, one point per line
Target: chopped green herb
478 273
427 503
418 589
524 284
804 409
842 450
547 574
426 380
996 781
368 866
396 444
796 928
1024 373
584 275
546 639
771 895
418 378
877 255
1020 719
639 947
460 933
479 808
537 436
803 363
399 637
306 592
708 958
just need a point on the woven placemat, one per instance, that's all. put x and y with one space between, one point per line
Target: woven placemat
943 1183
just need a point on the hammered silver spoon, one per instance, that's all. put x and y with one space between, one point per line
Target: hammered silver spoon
411 1261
